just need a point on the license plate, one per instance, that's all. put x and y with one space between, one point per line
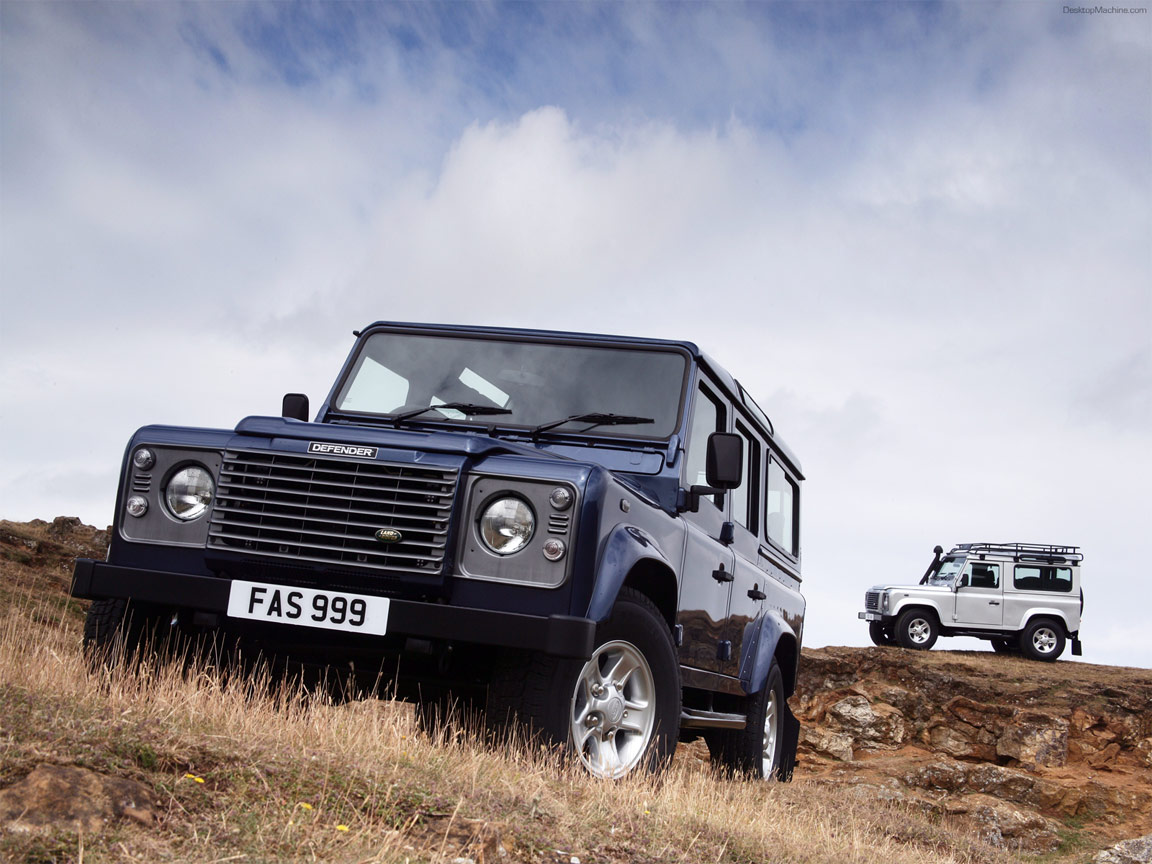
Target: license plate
308 607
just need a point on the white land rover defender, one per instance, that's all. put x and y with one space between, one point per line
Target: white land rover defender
1020 596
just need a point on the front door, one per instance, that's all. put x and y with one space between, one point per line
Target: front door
980 596
707 572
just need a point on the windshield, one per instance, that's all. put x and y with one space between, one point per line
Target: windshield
949 569
537 384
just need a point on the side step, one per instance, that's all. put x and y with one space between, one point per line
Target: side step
697 718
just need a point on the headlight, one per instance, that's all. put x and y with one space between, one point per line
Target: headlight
506 525
189 493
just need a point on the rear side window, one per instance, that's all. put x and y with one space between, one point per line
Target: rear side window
780 509
745 496
1029 577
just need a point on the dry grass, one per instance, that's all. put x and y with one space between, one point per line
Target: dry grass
250 772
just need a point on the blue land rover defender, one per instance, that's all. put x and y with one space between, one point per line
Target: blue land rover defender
595 535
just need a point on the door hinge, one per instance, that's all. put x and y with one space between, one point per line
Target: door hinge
724 650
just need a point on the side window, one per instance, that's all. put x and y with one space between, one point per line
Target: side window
746 496
980 575
781 509
707 417
1031 577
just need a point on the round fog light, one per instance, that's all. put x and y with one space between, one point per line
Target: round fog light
553 549
136 506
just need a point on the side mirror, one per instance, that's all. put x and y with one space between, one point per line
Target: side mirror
724 463
723 467
295 407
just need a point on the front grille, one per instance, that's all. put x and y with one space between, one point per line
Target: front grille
282 505
872 601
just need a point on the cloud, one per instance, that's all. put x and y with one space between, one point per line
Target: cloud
917 232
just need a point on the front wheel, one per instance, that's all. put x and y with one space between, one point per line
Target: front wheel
880 635
118 631
1042 640
617 711
917 629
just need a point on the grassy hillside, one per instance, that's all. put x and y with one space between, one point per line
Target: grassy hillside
250 772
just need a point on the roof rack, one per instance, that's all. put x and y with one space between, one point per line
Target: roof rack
1024 551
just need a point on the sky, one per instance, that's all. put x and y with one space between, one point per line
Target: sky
919 233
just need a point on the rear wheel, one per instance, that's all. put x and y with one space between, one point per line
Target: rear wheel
1006 646
1042 640
617 711
757 750
917 629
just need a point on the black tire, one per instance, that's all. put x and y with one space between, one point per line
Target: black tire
880 635
1043 639
917 629
586 708
1006 646
757 750
448 713
117 631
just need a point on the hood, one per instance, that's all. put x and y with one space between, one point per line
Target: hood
474 444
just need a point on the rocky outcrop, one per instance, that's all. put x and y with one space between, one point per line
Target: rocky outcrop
1135 851
1021 750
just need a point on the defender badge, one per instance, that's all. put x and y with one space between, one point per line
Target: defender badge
389 535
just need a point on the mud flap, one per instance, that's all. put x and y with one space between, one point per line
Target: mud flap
791 733
1077 648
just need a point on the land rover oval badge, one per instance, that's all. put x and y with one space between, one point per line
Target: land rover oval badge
389 535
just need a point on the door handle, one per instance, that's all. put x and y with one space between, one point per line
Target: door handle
757 594
722 575
993 602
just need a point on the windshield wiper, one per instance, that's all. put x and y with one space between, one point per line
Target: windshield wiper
468 408
594 418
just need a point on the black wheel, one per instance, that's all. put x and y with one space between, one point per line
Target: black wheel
917 629
880 634
618 711
757 750
445 712
1006 646
118 631
1043 639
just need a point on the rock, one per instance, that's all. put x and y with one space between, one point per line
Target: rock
827 743
64 525
1005 826
960 741
1137 851
1034 738
63 797
868 725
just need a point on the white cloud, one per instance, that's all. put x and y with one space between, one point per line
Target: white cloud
926 256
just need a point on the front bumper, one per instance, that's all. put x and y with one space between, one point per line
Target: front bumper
559 635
